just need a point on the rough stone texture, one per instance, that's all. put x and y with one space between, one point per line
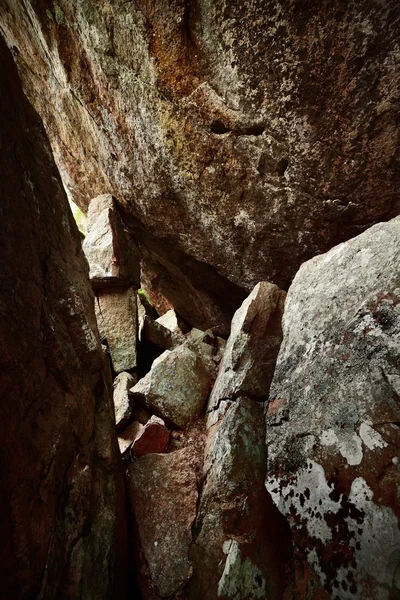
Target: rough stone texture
159 335
163 494
113 258
171 321
333 417
249 360
62 497
209 347
240 138
128 436
240 540
116 312
123 404
176 388
152 439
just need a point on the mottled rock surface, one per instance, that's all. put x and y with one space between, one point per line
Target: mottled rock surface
249 360
159 335
123 404
240 546
333 417
240 138
62 507
116 313
163 495
176 388
113 258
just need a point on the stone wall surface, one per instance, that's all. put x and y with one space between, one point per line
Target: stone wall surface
333 416
63 530
240 139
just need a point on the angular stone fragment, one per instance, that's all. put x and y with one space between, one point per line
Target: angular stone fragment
171 321
209 347
116 312
176 387
252 348
128 436
241 540
163 495
333 436
159 335
151 439
122 403
113 258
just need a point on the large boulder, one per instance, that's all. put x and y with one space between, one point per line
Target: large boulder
63 530
117 319
113 258
163 495
176 388
240 139
249 360
333 417
241 544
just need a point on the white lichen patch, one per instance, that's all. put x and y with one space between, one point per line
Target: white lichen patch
375 539
371 438
310 497
348 444
240 579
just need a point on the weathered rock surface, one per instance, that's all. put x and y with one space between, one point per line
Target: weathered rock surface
159 335
240 548
249 360
116 313
128 436
333 435
241 139
62 496
152 438
171 321
209 347
176 388
113 258
123 404
163 494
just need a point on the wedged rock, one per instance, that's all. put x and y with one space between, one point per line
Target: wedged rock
209 347
176 388
63 511
159 335
113 257
241 542
171 321
152 438
128 436
332 424
116 312
163 495
249 359
123 404
232 161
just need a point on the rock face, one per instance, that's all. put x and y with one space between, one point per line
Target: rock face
176 388
249 360
333 436
116 312
239 546
112 258
163 494
62 494
241 139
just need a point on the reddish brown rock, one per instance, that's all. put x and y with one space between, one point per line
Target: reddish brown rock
63 530
151 439
128 436
163 495
240 138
